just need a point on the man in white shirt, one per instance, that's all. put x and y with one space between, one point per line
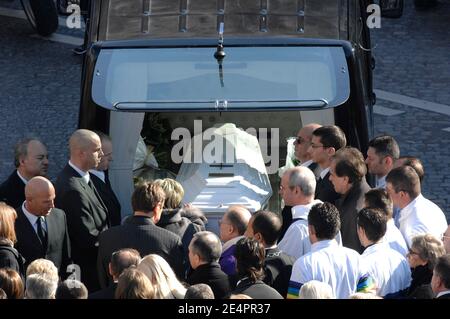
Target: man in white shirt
297 189
440 282
382 153
379 198
342 268
389 269
418 215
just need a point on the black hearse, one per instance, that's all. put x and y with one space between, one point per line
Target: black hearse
272 65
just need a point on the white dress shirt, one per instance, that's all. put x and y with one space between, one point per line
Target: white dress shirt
419 217
296 240
307 163
22 178
381 182
340 267
394 238
324 172
388 268
32 219
99 174
83 174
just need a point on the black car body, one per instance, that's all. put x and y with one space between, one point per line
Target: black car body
287 63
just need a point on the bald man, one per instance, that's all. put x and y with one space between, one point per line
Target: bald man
302 143
78 197
232 228
41 229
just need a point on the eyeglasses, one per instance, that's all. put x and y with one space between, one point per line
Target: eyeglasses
317 146
299 140
412 252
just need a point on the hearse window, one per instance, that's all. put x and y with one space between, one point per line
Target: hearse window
250 78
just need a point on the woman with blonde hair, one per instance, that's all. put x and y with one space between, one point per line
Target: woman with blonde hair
9 256
422 257
162 277
133 284
315 289
183 221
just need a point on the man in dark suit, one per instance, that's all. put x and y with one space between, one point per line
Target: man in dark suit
204 253
348 175
141 233
440 282
30 159
326 141
264 226
41 229
301 144
101 181
120 260
86 213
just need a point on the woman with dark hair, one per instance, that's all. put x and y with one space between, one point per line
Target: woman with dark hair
250 255
422 257
9 256
11 283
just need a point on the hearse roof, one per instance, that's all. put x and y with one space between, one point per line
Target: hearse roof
159 19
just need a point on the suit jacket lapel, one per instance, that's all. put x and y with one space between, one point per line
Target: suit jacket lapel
29 229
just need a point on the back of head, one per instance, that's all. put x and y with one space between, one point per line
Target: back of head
173 191
11 283
146 197
123 259
316 290
240 296
303 178
373 221
379 198
7 223
164 280
199 291
331 136
43 267
404 178
364 295
415 163
250 255
207 246
429 248
40 286
3 294
238 216
71 289
268 225
442 269
325 219
133 284
350 162
385 145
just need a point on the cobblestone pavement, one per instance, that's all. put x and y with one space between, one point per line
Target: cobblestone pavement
40 89
413 58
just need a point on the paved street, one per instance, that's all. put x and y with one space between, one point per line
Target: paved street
40 89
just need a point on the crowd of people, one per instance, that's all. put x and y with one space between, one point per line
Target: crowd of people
335 237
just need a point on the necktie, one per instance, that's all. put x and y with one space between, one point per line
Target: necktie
42 234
